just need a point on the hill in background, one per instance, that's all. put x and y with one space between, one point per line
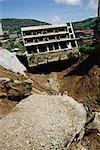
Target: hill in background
84 24
12 25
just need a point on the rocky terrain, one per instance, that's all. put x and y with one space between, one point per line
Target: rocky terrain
9 61
13 88
42 122
50 86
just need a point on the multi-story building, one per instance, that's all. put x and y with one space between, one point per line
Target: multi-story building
49 38
1 32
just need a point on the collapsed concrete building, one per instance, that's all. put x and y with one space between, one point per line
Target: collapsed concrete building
49 39
1 32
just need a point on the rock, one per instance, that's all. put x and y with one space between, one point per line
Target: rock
3 94
29 81
96 122
6 80
9 61
17 82
77 146
65 93
42 122
14 89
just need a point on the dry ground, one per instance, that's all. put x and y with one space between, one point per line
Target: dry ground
81 82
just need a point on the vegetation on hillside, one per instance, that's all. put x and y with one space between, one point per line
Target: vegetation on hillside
86 49
13 25
12 45
85 24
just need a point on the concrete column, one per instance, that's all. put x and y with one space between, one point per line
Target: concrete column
69 45
55 37
57 30
66 45
53 31
44 39
47 48
53 47
37 49
47 38
59 46
65 30
33 41
42 32
73 35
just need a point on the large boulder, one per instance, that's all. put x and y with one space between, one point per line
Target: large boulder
9 61
42 122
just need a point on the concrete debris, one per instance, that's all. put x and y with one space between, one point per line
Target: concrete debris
15 89
29 81
5 80
78 146
95 124
9 61
97 121
42 122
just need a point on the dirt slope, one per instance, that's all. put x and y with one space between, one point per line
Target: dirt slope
85 89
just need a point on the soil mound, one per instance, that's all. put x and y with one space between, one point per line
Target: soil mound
86 88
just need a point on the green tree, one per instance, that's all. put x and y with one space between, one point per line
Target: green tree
86 49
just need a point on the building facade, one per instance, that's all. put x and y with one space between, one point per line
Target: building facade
1 32
49 38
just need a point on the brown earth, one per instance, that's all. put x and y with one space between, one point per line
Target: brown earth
8 74
85 89
11 92
81 80
90 141
6 106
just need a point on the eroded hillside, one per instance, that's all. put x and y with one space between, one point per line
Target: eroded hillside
78 78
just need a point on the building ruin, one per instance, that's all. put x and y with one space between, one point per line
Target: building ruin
48 38
1 32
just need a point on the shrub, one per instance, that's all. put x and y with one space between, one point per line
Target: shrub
8 45
86 49
12 44
20 46
32 57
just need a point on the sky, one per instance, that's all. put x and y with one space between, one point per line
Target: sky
52 11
